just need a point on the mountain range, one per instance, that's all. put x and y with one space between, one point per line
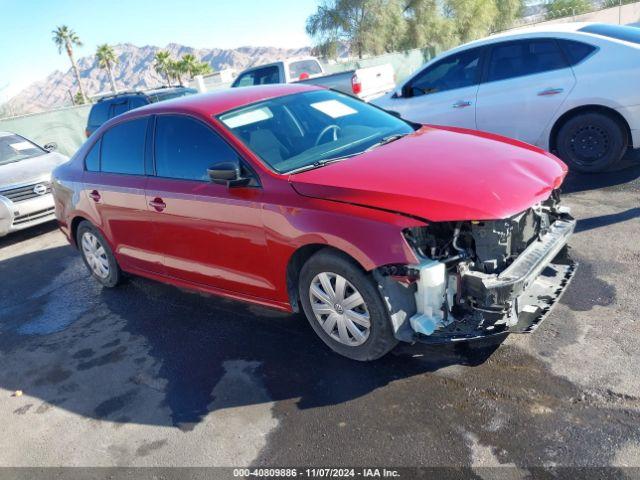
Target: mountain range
134 70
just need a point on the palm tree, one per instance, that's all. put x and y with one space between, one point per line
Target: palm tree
163 65
66 38
203 68
107 59
189 64
176 70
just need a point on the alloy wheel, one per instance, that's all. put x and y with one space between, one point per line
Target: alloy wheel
339 309
95 254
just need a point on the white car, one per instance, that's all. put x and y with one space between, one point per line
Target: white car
573 89
25 182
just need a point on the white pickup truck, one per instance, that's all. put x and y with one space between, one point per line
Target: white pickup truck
365 83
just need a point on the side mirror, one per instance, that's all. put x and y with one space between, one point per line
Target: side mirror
397 93
394 113
51 146
229 174
406 91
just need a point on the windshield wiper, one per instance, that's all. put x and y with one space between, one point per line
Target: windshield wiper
321 163
388 139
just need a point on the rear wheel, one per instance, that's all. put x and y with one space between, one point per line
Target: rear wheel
97 255
592 142
344 307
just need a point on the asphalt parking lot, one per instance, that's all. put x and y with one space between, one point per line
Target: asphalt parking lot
148 374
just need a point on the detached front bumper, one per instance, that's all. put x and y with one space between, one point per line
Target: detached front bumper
516 300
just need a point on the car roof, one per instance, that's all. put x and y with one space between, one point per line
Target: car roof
133 93
222 100
524 32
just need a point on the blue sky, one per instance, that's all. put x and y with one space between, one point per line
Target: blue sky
27 53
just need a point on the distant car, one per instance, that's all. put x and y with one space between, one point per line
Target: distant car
109 106
570 88
25 182
302 198
365 83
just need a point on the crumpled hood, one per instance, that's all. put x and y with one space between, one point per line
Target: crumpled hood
35 169
440 174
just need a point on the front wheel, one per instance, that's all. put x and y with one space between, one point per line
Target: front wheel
592 142
344 307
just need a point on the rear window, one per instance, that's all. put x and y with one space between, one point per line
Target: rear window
619 32
310 67
576 51
99 114
118 107
159 97
123 148
261 76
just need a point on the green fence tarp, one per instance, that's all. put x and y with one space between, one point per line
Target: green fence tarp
66 126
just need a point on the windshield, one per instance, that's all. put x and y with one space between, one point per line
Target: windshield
304 129
14 148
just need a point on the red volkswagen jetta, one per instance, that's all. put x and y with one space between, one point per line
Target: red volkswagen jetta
296 197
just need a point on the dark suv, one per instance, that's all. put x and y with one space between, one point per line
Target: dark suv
110 106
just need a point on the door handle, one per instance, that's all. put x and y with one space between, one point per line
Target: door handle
158 204
94 195
462 104
550 91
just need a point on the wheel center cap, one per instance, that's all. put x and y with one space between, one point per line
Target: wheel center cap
339 308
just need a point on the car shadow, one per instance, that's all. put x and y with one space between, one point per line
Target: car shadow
28 233
599 221
149 353
627 171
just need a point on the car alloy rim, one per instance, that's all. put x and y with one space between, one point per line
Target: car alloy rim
589 144
95 254
339 309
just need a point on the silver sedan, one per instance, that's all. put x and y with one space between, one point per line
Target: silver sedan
25 182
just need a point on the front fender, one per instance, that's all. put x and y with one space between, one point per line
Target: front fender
372 237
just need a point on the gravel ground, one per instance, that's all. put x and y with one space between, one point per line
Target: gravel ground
148 374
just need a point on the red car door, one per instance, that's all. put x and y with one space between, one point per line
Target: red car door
207 233
114 183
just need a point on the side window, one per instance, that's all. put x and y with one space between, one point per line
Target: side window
526 57
185 148
92 160
123 147
455 71
118 107
576 51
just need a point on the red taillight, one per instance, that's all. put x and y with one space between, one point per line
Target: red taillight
87 133
356 86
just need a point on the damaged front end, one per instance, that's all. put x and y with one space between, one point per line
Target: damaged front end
481 278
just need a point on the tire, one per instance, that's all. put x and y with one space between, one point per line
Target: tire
591 142
337 312
97 255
